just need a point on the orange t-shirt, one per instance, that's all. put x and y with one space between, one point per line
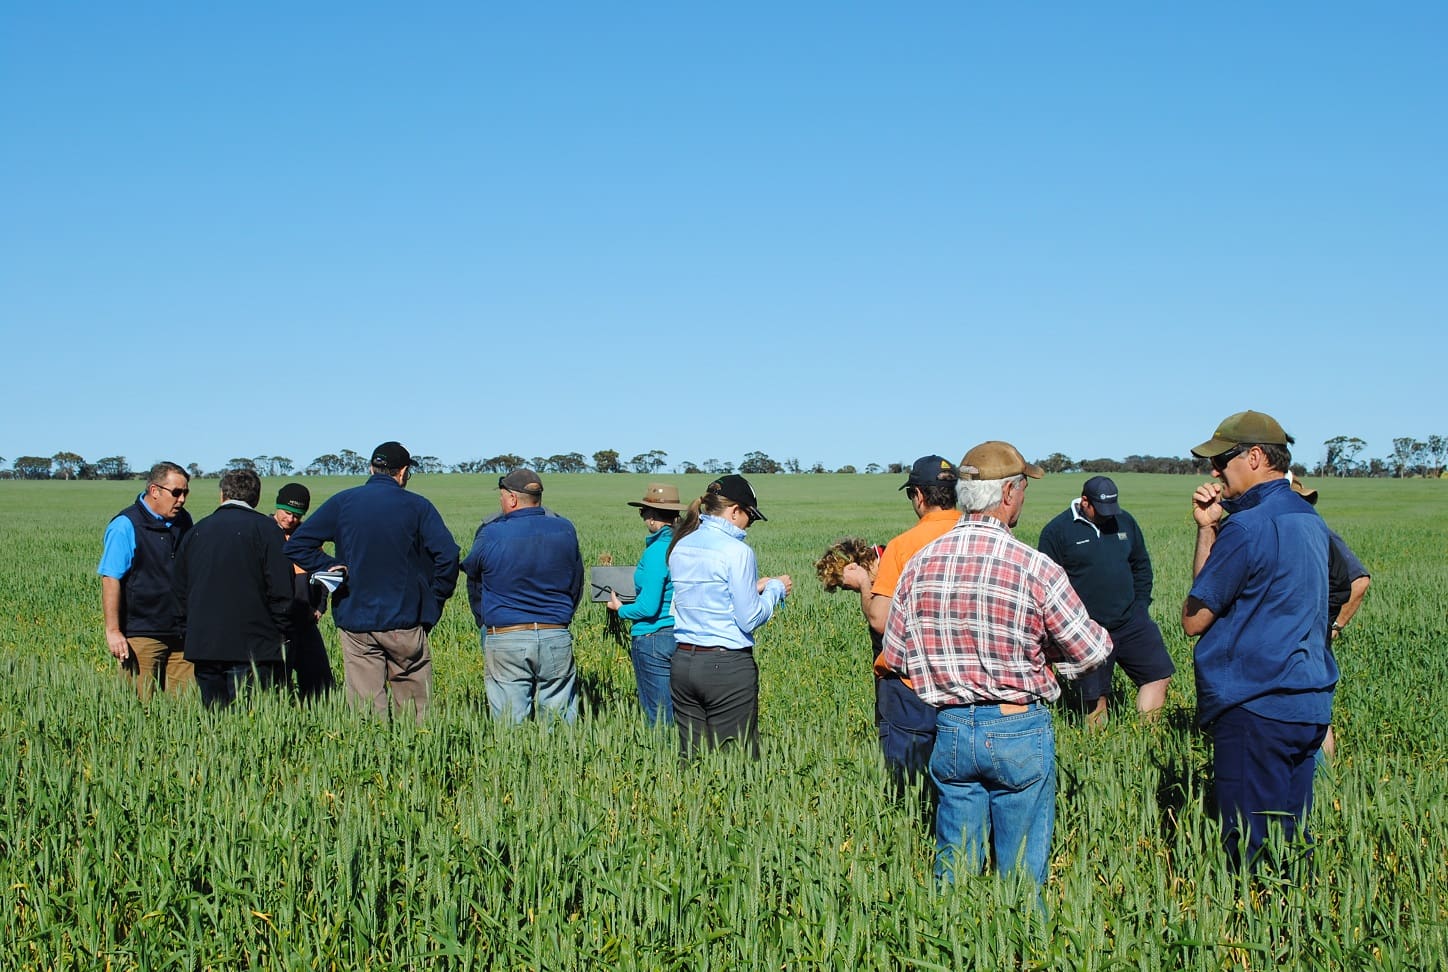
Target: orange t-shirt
898 552
932 526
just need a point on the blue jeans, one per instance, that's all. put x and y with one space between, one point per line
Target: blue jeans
996 775
521 665
653 657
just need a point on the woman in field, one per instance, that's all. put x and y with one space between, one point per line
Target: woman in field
652 650
719 602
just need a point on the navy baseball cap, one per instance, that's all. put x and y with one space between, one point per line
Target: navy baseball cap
931 471
1101 492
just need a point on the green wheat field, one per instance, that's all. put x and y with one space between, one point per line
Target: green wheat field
276 837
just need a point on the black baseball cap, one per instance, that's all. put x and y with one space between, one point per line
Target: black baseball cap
294 498
522 481
1101 492
736 489
932 471
391 455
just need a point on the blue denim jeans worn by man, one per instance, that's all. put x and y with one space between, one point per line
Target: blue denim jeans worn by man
996 776
653 657
523 665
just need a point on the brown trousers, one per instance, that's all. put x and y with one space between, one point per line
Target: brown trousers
374 661
157 661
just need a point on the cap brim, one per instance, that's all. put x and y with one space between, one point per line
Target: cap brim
1107 509
754 512
1033 471
1212 447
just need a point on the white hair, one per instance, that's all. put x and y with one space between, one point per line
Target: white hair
979 495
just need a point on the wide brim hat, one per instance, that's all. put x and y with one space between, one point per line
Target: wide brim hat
660 496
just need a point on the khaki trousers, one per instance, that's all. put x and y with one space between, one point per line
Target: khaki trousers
373 661
157 661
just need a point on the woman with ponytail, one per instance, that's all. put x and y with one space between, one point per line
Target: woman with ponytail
719 602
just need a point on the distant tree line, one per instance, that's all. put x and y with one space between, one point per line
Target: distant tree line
1410 457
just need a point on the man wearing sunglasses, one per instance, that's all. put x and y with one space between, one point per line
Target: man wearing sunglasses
1258 601
144 621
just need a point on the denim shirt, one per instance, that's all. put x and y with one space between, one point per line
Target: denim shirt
654 589
716 599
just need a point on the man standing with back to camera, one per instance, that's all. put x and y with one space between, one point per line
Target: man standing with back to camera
905 724
1265 673
401 564
1104 554
978 620
235 585
525 579
144 621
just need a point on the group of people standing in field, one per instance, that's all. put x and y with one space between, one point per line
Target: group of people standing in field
972 630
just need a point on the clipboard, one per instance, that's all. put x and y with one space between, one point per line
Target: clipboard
615 579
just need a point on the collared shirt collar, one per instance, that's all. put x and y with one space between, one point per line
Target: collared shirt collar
1255 495
240 503
722 525
1076 512
141 498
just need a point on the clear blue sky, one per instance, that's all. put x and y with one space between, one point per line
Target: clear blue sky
837 232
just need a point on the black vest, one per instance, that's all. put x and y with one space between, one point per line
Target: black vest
148 602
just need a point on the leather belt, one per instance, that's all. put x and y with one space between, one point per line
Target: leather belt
530 626
687 647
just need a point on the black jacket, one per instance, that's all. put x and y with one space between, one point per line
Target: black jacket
235 586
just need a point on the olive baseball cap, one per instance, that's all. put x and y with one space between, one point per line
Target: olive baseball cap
1252 428
997 460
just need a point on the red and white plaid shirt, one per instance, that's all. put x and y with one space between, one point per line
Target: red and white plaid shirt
978 617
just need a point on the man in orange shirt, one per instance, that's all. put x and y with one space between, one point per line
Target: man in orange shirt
906 725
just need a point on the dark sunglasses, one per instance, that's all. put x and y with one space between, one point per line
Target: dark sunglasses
179 493
1220 461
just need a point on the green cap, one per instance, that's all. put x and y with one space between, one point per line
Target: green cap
1253 428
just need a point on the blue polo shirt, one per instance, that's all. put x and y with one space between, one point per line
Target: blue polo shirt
1266 583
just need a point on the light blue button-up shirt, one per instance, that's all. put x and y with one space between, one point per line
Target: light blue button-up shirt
716 597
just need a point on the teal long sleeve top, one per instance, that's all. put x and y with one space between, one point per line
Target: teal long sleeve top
652 607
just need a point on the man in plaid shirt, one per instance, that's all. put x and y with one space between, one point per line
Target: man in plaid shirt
977 622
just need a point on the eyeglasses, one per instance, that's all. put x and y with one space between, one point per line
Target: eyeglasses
179 493
1220 461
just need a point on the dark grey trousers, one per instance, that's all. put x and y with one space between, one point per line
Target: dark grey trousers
716 700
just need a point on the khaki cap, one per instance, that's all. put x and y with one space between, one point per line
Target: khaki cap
1253 428
997 460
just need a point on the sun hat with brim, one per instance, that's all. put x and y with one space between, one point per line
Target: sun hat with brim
736 489
1250 428
1301 489
997 460
660 496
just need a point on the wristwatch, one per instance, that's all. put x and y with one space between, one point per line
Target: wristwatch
1336 627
